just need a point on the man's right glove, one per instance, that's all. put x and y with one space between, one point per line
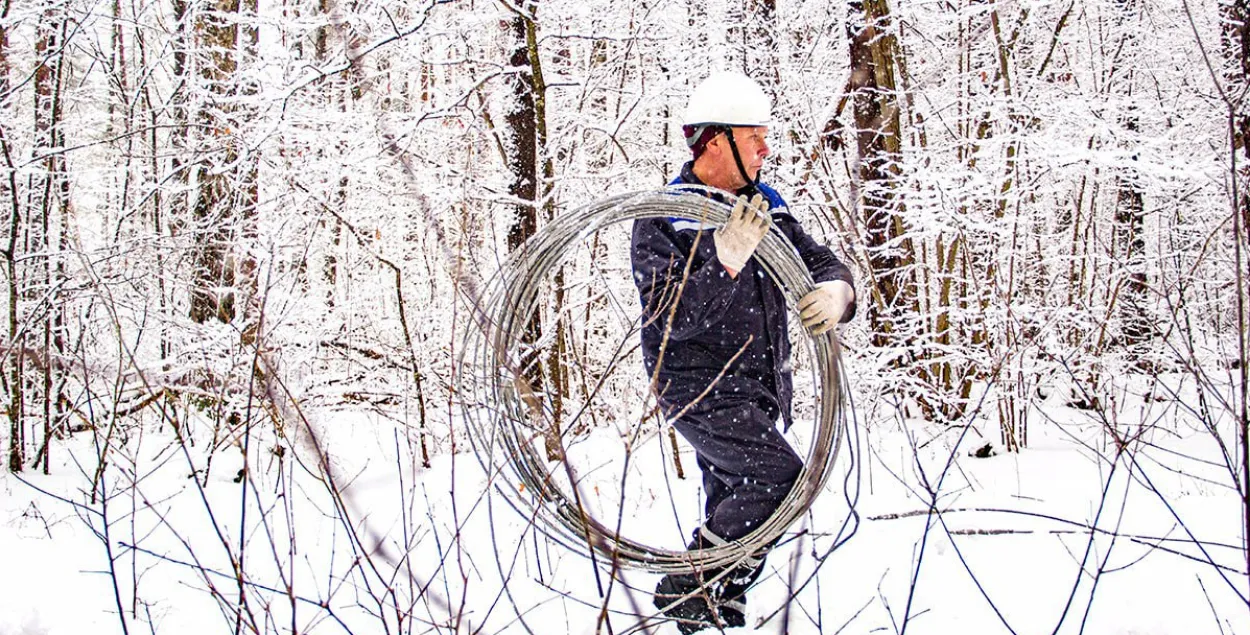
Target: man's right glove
737 239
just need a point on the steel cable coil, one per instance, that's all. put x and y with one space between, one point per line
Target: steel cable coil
503 427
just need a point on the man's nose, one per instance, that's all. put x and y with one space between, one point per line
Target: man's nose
764 150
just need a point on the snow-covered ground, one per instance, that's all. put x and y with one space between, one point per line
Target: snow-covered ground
1010 552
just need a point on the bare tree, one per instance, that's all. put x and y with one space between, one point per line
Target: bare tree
1236 37
1130 214
12 378
48 236
753 42
223 213
873 55
995 228
531 185
35 271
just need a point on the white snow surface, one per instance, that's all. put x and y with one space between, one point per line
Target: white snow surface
1010 552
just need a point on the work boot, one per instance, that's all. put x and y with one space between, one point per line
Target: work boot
731 602
733 612
715 601
693 613
729 591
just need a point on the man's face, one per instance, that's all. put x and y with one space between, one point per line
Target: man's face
752 147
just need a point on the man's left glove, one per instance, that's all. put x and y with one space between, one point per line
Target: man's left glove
823 308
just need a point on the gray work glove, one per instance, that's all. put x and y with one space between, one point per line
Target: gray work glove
823 308
737 239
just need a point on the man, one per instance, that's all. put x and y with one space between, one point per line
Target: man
724 373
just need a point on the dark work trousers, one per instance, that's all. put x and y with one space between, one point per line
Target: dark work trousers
748 467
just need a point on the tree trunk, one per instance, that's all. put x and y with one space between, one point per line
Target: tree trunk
54 209
46 191
12 378
4 53
170 207
753 43
696 19
873 52
1237 49
528 124
1135 323
217 201
180 128
330 265
247 184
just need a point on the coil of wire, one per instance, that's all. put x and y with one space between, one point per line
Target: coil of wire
502 434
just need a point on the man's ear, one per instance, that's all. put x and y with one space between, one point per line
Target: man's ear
718 141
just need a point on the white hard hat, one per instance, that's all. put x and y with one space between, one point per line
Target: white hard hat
729 98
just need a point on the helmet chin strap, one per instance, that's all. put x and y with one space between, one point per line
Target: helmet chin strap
753 184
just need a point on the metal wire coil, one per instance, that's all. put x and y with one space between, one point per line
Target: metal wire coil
502 428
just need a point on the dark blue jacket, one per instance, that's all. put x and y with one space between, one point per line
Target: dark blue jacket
717 315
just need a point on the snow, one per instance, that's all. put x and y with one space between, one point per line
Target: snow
1025 180
1010 552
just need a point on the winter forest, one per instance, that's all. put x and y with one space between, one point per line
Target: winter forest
247 247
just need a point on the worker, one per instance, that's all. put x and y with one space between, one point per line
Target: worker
715 338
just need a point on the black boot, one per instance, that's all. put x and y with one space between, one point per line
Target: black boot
716 601
733 612
731 605
692 613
